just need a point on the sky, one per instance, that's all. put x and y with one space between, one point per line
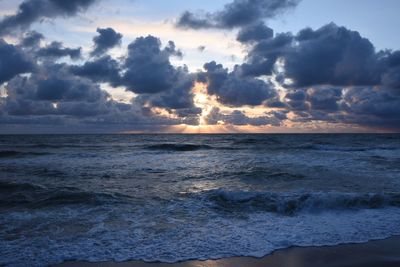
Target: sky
228 66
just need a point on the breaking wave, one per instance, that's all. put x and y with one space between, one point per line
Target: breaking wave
292 203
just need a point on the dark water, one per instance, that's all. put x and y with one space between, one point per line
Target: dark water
177 197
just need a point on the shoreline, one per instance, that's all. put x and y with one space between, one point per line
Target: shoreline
382 253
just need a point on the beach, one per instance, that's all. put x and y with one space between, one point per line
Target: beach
382 253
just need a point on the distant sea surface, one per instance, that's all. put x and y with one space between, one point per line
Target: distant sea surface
171 198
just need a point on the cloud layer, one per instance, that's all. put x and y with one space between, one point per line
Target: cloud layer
328 75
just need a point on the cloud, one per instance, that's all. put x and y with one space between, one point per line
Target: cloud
57 50
238 117
331 74
63 94
179 96
324 99
263 55
391 79
30 11
254 33
148 72
148 69
54 83
104 69
234 90
13 61
107 39
55 96
371 107
328 75
331 55
239 13
32 39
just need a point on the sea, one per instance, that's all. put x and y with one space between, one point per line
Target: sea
170 198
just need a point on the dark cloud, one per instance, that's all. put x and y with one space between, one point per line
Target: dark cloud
331 55
32 39
234 90
107 39
30 11
62 94
255 33
148 69
391 79
13 61
372 108
57 50
324 99
104 69
296 100
236 14
238 117
332 74
189 20
263 56
54 83
179 96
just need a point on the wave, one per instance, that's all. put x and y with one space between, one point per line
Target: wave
250 141
349 148
292 203
34 196
178 147
13 154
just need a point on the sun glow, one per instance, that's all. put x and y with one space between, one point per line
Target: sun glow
204 101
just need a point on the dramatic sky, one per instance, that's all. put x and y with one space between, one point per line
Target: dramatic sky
105 66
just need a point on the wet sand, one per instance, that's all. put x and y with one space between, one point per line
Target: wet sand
383 253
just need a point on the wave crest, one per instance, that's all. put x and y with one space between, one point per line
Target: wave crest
292 203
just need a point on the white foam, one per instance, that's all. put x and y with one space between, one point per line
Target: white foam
120 235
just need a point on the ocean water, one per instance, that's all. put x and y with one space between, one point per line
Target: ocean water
171 198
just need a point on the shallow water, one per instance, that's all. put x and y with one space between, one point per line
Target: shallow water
177 197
